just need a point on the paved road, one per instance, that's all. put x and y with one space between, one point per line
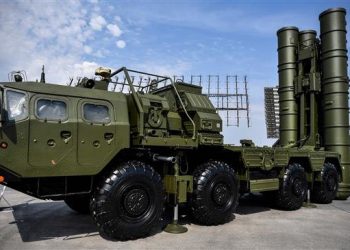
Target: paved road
35 224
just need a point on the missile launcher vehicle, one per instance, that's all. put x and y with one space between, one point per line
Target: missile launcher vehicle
123 156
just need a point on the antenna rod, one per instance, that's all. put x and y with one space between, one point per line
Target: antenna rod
42 78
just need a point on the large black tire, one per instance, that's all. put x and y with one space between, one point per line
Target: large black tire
215 194
128 204
293 189
326 190
78 203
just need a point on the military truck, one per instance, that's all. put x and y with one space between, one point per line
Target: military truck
123 156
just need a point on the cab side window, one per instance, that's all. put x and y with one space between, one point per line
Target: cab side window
17 105
51 110
96 113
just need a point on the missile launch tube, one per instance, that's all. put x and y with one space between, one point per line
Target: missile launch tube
308 109
307 38
287 70
335 91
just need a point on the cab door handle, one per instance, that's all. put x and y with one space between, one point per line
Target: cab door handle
66 134
108 136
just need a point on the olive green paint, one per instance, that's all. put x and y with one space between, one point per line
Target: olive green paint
287 70
335 90
178 120
264 185
308 88
41 145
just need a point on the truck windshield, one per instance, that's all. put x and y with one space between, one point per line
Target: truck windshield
16 105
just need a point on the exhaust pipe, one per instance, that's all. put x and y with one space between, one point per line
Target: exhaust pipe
169 159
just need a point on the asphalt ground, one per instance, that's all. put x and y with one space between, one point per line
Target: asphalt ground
36 224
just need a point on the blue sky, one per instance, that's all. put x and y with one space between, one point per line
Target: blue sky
72 38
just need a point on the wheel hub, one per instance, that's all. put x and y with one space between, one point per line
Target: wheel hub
221 194
297 187
136 202
330 184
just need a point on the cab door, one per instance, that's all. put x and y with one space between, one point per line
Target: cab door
14 130
52 133
96 133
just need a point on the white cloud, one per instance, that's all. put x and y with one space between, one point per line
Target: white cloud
114 29
93 1
101 53
97 23
121 44
59 37
87 49
85 69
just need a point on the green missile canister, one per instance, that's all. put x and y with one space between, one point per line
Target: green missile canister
308 86
307 38
335 91
287 71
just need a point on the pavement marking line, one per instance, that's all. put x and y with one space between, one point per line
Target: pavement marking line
80 236
6 210
339 208
2 197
